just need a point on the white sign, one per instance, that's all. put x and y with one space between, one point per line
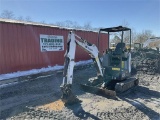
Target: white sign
51 43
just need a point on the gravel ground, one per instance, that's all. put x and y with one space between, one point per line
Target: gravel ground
39 99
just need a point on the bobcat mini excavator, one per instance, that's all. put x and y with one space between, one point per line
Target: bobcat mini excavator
113 71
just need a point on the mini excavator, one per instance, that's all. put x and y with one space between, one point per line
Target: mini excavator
113 70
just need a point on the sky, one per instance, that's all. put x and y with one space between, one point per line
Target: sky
138 14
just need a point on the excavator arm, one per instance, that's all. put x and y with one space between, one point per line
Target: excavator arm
67 96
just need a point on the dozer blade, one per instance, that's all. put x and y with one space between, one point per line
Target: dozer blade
126 85
67 96
98 90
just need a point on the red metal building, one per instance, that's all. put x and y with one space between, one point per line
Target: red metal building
20 45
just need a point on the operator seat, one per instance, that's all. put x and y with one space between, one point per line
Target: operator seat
119 51
120 47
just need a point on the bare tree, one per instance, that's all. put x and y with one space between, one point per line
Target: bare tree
96 29
28 19
20 18
137 37
126 36
76 25
68 23
145 35
61 24
87 26
125 23
7 14
43 22
133 35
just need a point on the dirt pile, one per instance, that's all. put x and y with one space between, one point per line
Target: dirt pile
146 61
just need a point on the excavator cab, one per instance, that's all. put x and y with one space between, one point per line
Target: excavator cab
118 62
116 65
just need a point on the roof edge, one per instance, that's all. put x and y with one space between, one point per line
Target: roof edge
40 24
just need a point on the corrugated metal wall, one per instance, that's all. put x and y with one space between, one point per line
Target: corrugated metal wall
20 46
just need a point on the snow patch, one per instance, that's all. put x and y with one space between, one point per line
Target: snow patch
83 62
35 71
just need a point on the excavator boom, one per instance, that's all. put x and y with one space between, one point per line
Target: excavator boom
67 96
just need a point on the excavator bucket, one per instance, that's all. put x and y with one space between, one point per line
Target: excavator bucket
67 96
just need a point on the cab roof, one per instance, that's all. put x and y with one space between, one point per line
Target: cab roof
115 29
